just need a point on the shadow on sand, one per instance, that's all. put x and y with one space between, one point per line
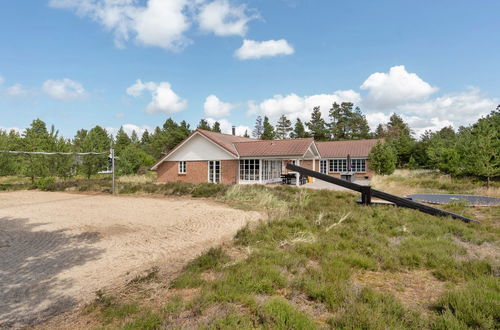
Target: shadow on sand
30 261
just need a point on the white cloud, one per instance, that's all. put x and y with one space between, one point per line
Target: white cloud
295 106
8 129
387 90
223 18
129 128
227 127
1 80
458 108
454 110
16 90
252 49
64 89
216 108
164 99
160 23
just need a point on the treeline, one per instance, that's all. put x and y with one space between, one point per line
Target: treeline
134 154
473 150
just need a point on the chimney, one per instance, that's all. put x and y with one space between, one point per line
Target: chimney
234 130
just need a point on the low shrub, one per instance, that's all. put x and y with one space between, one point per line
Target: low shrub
209 190
46 184
277 313
477 305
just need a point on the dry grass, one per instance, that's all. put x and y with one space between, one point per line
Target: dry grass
415 289
138 179
406 182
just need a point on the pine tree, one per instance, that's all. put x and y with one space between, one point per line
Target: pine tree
268 132
246 134
203 124
97 140
382 159
299 130
317 126
216 127
134 138
283 128
259 129
380 131
122 141
399 136
348 124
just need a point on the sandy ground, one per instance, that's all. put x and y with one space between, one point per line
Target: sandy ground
57 249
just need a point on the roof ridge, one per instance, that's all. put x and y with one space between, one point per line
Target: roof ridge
238 136
257 140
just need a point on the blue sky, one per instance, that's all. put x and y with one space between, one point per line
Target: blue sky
81 63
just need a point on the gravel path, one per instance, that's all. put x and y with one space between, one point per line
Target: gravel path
57 249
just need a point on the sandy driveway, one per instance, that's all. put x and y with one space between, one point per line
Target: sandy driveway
57 249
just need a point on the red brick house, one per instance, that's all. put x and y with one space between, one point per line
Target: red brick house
206 156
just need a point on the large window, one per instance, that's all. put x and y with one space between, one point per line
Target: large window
249 169
271 170
182 167
214 171
340 165
358 165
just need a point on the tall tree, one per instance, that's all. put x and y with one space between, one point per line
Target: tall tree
283 127
317 126
399 136
258 129
122 141
268 132
134 138
216 127
382 159
380 131
37 138
299 131
246 134
97 140
203 124
481 147
348 124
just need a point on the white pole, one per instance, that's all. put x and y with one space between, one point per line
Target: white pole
113 166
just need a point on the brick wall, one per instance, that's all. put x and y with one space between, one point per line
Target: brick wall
196 172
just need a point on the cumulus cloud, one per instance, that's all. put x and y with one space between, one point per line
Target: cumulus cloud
160 23
223 18
64 89
398 86
295 106
461 108
216 108
164 99
16 90
227 127
252 49
455 109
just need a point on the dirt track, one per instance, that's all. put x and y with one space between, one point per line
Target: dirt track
57 249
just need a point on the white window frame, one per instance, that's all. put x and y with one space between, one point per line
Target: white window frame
212 177
323 166
250 170
182 167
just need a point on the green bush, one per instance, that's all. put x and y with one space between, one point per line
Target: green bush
46 184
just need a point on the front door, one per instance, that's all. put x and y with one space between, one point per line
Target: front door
322 166
214 171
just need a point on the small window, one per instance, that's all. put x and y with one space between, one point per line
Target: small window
182 167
